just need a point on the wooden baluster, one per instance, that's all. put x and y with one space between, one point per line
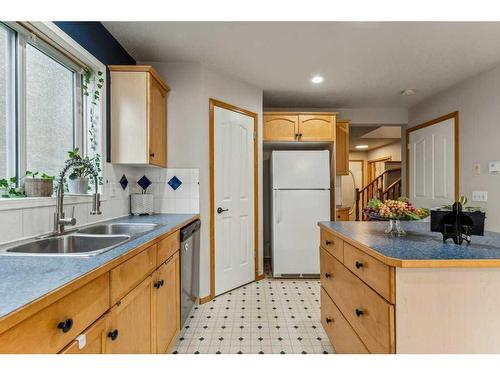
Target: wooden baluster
357 204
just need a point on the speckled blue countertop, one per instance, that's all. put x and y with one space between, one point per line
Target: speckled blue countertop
420 244
24 279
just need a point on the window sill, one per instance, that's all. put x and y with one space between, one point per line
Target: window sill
33 202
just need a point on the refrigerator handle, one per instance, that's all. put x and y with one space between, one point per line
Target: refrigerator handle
277 206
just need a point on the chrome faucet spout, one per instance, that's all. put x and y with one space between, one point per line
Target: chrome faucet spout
59 220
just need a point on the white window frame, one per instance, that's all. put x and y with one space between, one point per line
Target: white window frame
57 41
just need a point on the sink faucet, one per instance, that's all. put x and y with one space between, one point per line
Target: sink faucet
59 220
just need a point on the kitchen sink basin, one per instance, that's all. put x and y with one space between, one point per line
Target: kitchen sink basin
118 229
68 245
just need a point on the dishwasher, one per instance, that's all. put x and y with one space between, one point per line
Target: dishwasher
190 269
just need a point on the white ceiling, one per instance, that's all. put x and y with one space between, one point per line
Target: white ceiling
364 64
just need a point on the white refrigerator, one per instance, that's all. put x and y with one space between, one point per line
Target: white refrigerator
300 197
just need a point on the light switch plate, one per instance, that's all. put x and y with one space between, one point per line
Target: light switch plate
479 196
477 168
494 167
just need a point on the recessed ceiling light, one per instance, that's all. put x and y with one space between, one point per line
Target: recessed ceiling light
359 147
408 92
317 79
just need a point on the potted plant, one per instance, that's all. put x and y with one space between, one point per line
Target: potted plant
78 179
38 185
8 188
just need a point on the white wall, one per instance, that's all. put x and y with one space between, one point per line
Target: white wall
393 150
192 85
477 99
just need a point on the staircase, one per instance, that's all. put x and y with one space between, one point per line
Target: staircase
378 188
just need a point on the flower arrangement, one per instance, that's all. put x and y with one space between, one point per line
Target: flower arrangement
400 209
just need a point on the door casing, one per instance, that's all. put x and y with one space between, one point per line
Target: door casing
216 103
452 115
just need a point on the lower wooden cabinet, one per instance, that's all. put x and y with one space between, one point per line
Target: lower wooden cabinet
134 308
129 323
91 341
166 292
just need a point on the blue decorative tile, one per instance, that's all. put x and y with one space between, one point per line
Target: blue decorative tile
174 182
124 182
144 183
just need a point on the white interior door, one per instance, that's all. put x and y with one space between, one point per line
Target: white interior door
234 199
432 165
350 183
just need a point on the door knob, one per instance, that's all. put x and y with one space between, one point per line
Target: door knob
221 210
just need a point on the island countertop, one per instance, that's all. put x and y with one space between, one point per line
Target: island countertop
420 248
25 279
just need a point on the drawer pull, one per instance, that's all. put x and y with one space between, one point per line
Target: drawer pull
328 275
359 264
329 320
327 242
66 325
359 312
159 284
113 335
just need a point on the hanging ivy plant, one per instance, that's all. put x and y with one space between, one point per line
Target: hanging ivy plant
92 87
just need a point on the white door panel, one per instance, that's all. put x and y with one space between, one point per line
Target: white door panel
233 191
301 169
295 229
432 165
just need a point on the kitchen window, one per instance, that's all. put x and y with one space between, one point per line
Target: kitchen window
43 109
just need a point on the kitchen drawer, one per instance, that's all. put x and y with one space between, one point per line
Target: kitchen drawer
376 274
40 332
167 247
332 244
341 335
94 340
369 314
131 272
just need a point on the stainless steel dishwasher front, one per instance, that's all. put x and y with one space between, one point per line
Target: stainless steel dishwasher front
190 269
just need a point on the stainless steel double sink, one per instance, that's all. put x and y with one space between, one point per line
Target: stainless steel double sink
88 241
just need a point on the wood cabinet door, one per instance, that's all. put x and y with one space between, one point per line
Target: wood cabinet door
342 148
316 128
91 341
157 123
166 289
129 324
280 128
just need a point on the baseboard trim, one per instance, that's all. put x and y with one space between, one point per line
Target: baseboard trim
205 299
260 277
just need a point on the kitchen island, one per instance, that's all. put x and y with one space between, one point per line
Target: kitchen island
412 294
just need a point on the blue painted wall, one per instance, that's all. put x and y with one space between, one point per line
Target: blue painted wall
96 39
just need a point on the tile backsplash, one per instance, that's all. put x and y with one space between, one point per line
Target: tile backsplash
184 199
18 223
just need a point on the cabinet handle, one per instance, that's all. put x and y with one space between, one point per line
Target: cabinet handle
113 335
159 284
152 154
300 135
328 275
359 312
359 264
66 325
329 320
327 242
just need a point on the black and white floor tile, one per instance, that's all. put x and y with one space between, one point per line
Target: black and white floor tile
271 316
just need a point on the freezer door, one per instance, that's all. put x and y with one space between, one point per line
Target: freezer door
301 169
295 230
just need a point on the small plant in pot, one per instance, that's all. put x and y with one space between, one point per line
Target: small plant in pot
38 184
9 188
78 182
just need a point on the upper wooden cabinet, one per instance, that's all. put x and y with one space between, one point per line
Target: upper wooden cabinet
342 148
281 128
299 127
138 116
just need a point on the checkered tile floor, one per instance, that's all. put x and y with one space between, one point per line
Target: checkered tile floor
271 316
